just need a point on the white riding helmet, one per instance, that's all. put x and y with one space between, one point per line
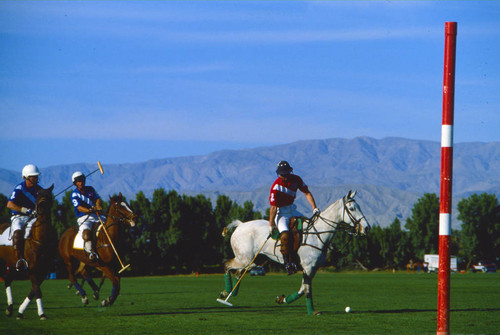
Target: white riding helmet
30 170
78 175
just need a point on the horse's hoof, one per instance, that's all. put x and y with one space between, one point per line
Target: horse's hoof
20 316
70 286
223 294
280 299
106 302
43 317
96 296
85 300
77 293
9 310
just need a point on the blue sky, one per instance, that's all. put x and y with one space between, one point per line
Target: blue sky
129 81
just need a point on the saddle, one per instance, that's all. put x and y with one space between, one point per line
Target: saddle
296 228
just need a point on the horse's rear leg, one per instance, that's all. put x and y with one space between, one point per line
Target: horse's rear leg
87 278
229 282
73 281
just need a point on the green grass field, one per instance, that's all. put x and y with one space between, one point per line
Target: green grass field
382 303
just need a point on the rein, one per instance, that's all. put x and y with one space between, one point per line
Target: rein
336 226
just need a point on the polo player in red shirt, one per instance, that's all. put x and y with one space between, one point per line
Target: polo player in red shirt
283 193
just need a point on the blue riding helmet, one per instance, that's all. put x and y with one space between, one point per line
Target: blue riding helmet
283 168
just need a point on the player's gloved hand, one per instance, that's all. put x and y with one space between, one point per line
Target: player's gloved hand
316 211
271 230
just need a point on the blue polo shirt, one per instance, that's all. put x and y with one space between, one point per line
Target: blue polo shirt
86 199
24 197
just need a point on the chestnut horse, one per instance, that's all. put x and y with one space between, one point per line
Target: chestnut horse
119 214
40 249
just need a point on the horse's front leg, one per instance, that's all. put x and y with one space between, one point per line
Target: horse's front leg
115 291
35 293
8 293
305 288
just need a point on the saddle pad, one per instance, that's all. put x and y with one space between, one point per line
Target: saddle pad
78 242
5 239
275 234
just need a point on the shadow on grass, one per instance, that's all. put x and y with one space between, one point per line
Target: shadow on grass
217 309
414 310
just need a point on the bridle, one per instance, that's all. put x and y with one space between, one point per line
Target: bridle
127 216
351 229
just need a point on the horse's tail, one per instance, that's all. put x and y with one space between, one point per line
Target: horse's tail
227 229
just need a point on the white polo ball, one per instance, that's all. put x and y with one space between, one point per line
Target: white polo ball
347 309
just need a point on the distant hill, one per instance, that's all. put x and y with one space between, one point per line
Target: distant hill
390 174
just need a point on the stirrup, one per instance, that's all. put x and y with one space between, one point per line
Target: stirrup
21 262
93 256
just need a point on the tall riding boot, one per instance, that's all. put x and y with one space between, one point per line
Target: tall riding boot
18 243
285 239
87 245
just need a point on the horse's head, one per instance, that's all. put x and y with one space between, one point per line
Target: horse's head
120 209
353 214
44 200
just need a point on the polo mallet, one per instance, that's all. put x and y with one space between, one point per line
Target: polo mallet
112 245
225 302
98 169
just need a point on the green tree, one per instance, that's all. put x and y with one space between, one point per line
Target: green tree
222 219
423 226
480 238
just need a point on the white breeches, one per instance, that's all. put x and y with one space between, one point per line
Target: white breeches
19 222
284 215
88 221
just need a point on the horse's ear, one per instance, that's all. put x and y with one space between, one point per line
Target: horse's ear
348 196
120 195
51 188
353 194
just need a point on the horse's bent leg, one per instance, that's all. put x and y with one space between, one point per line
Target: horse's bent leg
305 288
8 293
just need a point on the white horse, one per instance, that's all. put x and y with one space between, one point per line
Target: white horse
250 237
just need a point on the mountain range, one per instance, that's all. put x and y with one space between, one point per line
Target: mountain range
390 174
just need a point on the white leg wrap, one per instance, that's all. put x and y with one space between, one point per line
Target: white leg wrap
40 306
8 292
24 305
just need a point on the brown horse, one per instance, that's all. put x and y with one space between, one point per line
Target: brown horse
119 214
39 251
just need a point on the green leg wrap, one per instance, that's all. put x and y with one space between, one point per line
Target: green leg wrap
237 288
310 305
227 281
292 297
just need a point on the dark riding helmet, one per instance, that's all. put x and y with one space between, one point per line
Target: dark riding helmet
283 168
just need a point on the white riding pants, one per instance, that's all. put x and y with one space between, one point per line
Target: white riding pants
88 221
284 215
19 222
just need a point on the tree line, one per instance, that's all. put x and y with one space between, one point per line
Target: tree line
182 234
